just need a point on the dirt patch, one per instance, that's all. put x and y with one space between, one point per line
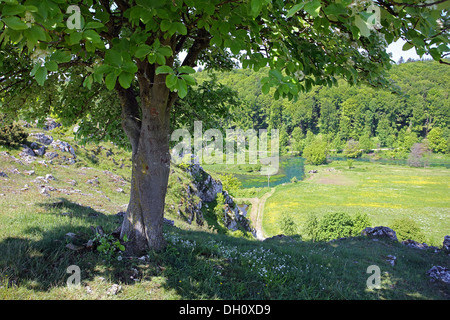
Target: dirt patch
336 180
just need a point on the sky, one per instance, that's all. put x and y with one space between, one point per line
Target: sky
397 52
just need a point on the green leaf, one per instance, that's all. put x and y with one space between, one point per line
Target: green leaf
163 69
165 25
182 88
93 25
407 46
92 36
160 59
186 69
113 57
110 80
125 79
88 82
295 9
34 34
61 56
15 23
130 67
265 88
75 38
12 10
41 75
51 66
142 51
165 51
313 7
190 80
181 28
171 81
255 7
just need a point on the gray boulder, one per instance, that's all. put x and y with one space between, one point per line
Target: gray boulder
63 146
438 273
40 151
42 138
380 232
51 155
27 151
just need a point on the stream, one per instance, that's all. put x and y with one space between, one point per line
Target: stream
294 166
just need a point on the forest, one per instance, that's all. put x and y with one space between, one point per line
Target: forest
417 106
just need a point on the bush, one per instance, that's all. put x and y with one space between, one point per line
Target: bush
312 227
437 141
219 209
335 225
316 152
418 156
11 134
288 226
407 229
230 183
352 149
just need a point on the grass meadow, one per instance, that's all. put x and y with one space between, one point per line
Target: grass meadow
384 192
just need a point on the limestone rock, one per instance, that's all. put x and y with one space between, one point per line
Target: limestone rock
438 273
380 231
42 138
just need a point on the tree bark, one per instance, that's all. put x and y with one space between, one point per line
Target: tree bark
149 137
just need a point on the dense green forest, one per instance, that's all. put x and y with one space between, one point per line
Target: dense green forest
418 107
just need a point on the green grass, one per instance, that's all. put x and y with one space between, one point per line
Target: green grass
384 192
199 263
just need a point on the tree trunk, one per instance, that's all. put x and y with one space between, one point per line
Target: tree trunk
143 223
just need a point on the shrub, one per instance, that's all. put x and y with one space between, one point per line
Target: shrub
312 227
230 183
352 149
11 134
418 155
407 229
335 225
316 152
437 141
219 209
288 226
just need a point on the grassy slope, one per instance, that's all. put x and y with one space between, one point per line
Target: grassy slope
384 192
198 263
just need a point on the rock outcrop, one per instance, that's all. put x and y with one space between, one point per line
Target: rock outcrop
207 188
380 231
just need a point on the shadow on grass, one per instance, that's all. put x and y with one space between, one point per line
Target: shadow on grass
38 258
203 265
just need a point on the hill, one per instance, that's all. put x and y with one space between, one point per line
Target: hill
60 211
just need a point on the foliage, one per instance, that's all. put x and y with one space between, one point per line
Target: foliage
357 112
316 152
11 134
418 157
311 227
408 229
109 246
230 183
437 141
352 149
287 225
336 225
219 209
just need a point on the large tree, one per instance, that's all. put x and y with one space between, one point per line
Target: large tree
132 48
